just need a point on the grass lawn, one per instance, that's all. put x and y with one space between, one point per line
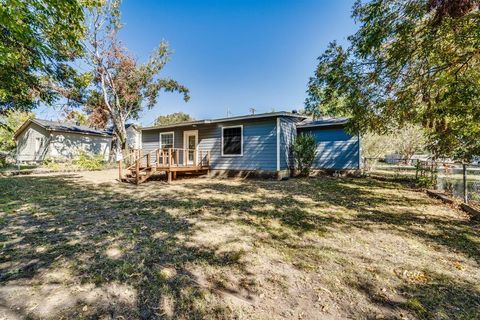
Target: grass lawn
317 248
13 167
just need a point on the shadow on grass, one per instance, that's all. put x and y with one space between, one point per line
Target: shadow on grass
370 203
440 297
52 218
106 237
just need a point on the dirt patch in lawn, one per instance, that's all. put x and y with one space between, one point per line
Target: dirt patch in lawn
85 246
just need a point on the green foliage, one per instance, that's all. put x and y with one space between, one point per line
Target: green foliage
405 142
375 146
37 41
172 118
10 121
408 63
77 117
3 161
426 175
88 162
409 140
51 164
121 86
304 151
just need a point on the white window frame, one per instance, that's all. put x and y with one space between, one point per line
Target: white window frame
38 144
165 133
241 141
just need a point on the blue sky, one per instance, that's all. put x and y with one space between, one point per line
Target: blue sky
233 54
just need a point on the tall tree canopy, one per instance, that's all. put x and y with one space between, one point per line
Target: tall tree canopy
415 61
10 121
121 86
38 38
172 118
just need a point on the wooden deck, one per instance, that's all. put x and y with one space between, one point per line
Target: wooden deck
140 167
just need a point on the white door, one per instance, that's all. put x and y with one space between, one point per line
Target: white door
190 142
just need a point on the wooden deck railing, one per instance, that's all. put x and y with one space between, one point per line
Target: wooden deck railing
170 159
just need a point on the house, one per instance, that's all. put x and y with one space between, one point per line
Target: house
336 148
258 144
134 136
38 140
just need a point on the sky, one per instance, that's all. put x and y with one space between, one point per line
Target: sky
233 55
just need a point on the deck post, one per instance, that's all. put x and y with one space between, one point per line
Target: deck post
169 174
137 171
148 160
158 157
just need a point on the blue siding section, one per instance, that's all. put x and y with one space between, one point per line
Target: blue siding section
259 144
336 149
287 137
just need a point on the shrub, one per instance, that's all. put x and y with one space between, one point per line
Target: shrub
51 164
304 151
3 161
88 162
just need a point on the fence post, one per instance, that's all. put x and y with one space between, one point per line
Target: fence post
465 186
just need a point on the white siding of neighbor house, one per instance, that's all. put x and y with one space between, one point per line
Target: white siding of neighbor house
134 138
66 145
59 145
26 142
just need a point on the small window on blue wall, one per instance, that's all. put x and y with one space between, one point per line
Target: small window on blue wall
232 141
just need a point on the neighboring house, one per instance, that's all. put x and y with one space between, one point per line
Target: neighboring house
38 140
257 143
134 136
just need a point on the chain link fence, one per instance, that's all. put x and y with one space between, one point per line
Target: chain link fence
461 181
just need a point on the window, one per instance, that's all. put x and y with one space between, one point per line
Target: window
166 140
38 144
232 141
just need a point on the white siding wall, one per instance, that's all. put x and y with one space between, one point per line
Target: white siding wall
134 138
27 142
65 145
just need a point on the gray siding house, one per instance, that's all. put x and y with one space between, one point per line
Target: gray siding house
38 140
258 144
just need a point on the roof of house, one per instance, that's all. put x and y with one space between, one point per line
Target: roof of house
323 122
109 129
62 127
228 119
70 127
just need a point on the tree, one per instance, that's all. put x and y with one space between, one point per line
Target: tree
10 121
172 118
376 146
122 86
408 141
304 151
37 41
77 117
410 62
